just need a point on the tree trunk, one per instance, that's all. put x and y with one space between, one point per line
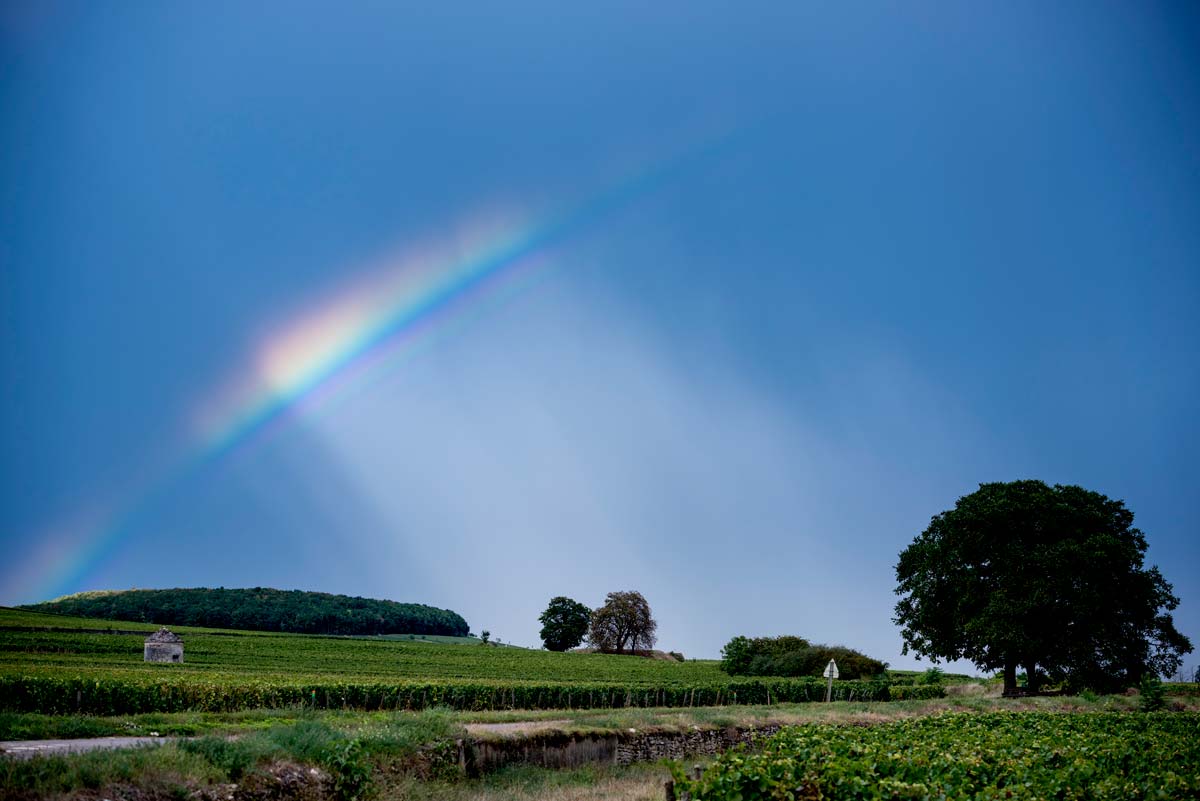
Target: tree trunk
1031 677
1010 677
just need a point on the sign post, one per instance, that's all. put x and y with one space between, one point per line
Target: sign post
831 673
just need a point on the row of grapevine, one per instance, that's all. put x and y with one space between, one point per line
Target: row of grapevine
1093 756
124 695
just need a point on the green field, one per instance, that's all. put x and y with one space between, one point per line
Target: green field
57 664
1029 755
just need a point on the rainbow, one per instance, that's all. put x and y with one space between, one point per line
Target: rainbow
341 344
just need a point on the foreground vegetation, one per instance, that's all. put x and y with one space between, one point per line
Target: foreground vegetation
410 755
256 705
993 756
49 664
260 609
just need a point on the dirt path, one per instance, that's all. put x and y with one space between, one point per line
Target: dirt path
520 727
24 749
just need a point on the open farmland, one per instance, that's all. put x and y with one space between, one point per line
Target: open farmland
65 665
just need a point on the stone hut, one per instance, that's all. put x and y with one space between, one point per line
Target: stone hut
163 646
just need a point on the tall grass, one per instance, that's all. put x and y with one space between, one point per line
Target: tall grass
347 755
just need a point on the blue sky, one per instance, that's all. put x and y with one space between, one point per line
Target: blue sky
860 259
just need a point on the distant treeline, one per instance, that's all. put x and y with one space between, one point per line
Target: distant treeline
261 609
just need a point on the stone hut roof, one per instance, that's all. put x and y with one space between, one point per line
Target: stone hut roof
164 635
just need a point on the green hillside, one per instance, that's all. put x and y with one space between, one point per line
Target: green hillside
57 664
260 609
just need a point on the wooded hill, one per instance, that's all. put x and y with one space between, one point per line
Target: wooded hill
260 609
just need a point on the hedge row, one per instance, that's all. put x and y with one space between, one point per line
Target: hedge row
115 696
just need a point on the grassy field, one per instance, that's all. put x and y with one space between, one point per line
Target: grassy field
59 664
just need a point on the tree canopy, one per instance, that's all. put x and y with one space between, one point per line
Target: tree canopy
1049 579
564 623
623 624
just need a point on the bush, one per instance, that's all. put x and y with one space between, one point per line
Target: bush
794 656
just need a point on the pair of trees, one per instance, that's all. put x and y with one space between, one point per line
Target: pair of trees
621 625
1048 579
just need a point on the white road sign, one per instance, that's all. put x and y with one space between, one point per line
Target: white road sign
831 670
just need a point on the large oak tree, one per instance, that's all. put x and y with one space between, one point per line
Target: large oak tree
1049 579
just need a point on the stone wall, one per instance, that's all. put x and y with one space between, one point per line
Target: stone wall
651 747
564 750
547 750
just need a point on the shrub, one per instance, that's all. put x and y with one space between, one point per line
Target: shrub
794 656
934 675
1151 690
351 770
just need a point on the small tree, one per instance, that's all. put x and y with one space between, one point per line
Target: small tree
737 655
624 622
564 623
485 635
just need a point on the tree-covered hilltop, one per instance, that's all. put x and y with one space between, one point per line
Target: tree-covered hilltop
260 609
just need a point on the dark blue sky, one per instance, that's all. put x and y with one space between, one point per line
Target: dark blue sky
922 247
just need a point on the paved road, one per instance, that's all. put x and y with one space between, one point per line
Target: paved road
23 749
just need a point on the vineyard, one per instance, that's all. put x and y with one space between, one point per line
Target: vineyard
55 664
1095 756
